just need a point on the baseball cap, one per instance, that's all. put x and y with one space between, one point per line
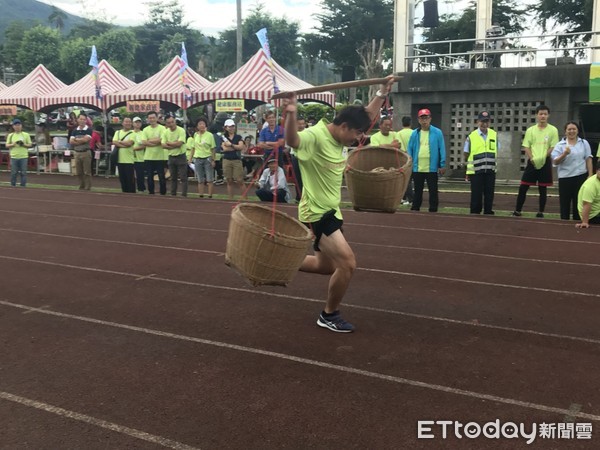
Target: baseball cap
229 123
137 119
484 115
423 112
271 160
16 122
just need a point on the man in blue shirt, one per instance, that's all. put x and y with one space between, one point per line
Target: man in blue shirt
271 139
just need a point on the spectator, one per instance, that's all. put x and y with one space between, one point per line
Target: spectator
572 157
173 141
42 136
71 124
154 155
404 136
272 184
588 201
138 155
203 156
124 139
428 151
18 142
538 144
480 151
301 124
232 145
80 140
385 135
270 138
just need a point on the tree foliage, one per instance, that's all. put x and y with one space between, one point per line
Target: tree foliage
347 25
118 47
40 45
13 37
57 18
570 16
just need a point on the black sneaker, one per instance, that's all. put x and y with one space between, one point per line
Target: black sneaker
540 215
516 213
334 322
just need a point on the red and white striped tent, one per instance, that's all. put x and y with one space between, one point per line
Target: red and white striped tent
164 86
26 92
2 86
83 91
254 81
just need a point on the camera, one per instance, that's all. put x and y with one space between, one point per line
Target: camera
20 143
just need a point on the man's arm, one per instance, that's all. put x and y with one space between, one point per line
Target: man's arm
585 216
291 122
374 107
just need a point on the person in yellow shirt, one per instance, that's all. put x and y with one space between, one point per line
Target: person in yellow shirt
588 201
173 141
18 142
203 156
154 154
138 155
124 139
385 135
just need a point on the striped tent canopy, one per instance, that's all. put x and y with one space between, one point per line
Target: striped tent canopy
164 86
26 92
254 81
83 91
2 86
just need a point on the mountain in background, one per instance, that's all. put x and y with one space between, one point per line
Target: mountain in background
31 12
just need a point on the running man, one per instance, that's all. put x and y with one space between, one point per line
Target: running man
319 152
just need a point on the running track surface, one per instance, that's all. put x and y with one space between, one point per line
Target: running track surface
121 327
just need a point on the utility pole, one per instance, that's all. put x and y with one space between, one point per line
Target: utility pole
238 54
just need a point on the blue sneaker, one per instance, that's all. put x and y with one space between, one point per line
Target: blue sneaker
334 322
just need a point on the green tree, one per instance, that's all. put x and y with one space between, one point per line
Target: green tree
57 18
74 59
41 45
283 37
165 14
90 28
569 16
13 37
346 26
118 48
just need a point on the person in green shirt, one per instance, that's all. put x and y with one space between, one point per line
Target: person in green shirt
385 135
138 155
124 139
203 156
319 150
404 136
538 144
154 155
18 142
588 201
173 141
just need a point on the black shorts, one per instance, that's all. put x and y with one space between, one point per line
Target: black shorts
328 225
541 177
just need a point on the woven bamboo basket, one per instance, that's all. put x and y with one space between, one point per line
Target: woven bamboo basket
258 255
377 178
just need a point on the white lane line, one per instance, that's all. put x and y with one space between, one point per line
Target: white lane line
574 408
480 283
316 363
262 294
366 244
36 309
124 222
458 252
131 432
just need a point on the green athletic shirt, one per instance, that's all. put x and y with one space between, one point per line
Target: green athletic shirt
539 140
156 153
125 154
172 136
203 144
19 152
590 193
322 166
404 136
379 139
138 155
424 153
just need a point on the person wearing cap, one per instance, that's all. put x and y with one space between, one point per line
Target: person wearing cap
139 150
272 183
385 135
124 139
480 151
271 139
18 142
203 156
173 141
154 154
320 152
427 149
538 144
588 201
232 145
80 140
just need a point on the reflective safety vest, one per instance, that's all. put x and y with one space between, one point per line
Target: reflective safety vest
482 153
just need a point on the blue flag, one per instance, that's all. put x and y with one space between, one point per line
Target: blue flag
94 63
264 43
183 66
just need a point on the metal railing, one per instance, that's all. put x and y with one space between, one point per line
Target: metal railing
500 51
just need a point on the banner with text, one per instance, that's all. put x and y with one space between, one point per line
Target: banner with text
143 106
8 110
229 105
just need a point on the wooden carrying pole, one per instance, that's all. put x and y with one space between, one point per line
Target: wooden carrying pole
335 86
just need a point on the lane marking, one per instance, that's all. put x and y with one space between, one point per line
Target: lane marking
36 309
262 294
131 432
366 244
316 363
573 409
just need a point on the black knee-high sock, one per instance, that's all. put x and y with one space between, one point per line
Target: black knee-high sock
543 197
521 197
